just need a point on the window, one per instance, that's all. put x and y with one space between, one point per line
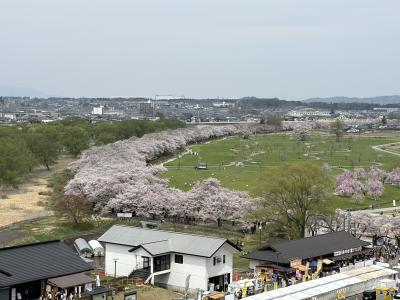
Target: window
161 263
178 259
218 259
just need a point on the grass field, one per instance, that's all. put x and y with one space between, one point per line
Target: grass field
257 154
238 162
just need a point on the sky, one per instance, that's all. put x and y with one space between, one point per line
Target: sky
291 49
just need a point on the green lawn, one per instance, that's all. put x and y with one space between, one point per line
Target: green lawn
260 152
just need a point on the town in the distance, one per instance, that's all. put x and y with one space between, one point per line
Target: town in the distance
208 199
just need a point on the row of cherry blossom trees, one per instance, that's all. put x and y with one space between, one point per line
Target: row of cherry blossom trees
363 223
118 178
361 182
327 123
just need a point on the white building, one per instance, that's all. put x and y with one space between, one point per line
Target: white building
166 258
308 113
97 110
169 97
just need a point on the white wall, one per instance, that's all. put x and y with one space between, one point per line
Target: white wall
126 260
221 268
200 268
193 265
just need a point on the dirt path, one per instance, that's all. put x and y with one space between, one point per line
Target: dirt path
27 202
379 148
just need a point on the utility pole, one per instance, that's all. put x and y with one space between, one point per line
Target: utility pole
115 267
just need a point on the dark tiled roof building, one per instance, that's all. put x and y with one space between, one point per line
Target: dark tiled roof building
325 245
26 269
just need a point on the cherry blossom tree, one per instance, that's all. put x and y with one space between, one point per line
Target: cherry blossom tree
348 187
367 224
377 174
118 177
394 177
374 188
301 132
347 184
358 182
219 204
360 173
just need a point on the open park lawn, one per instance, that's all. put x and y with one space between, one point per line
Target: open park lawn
238 162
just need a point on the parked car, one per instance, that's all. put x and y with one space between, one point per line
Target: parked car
201 166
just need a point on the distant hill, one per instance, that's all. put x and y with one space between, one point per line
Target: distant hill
395 99
16 91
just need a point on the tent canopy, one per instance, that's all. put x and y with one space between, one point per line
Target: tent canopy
71 280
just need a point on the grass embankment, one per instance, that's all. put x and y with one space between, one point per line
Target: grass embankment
54 228
238 162
29 200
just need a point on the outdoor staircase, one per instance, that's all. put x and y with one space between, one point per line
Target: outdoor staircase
142 274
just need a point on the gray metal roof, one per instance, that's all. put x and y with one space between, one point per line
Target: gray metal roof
82 245
158 242
310 247
39 261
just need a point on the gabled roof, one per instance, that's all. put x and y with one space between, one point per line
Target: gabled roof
315 246
158 242
38 261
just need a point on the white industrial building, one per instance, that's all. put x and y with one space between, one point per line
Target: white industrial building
167 258
97 110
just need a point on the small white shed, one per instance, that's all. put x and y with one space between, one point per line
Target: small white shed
97 248
83 248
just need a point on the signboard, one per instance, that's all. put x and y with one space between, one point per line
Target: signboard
124 215
130 295
347 251
341 294
295 263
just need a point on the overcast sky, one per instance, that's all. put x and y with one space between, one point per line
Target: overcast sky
292 49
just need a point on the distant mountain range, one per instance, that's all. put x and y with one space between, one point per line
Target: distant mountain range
395 99
16 91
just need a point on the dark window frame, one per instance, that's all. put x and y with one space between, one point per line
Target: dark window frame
161 263
178 259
